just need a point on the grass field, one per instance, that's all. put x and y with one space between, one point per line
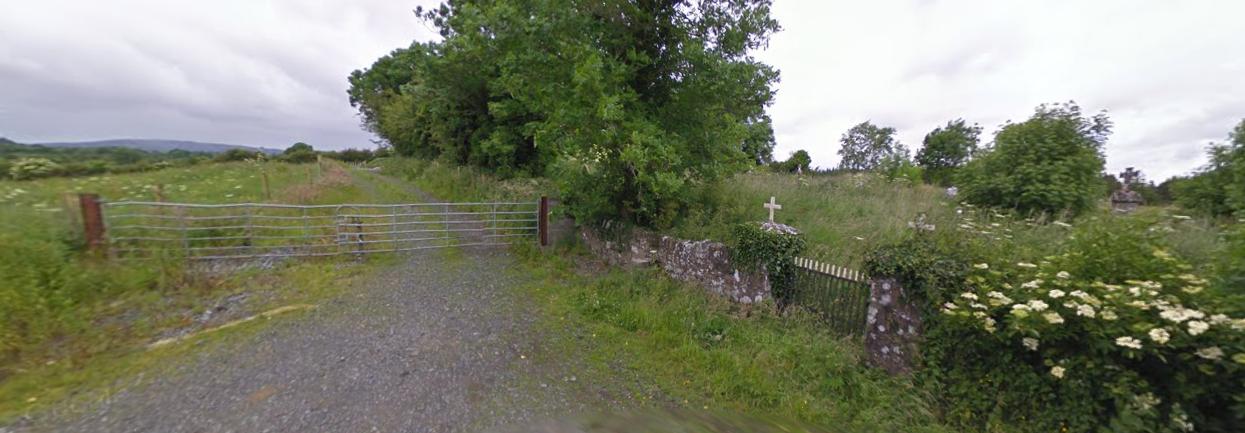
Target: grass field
68 323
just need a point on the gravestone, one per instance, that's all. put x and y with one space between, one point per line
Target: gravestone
1125 200
892 327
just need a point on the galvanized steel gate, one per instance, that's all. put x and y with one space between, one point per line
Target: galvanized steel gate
253 230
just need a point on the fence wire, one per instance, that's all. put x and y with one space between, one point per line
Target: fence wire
251 230
839 296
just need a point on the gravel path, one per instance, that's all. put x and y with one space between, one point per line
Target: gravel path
438 343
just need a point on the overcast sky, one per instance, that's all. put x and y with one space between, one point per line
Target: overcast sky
269 73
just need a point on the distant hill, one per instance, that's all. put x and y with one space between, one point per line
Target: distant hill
153 145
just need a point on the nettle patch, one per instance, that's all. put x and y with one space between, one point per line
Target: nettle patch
1036 344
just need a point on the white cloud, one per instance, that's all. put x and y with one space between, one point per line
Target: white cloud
274 72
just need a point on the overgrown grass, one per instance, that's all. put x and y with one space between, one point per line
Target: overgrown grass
62 315
845 216
705 353
459 183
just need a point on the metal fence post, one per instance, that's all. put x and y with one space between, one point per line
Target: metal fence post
542 221
93 224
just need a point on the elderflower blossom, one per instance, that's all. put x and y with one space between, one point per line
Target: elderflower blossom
1085 310
1139 304
1037 305
1219 319
1108 314
1063 275
1029 343
1129 342
969 295
1212 353
982 266
1055 293
1053 317
1026 265
997 299
1057 371
1197 327
989 325
1159 335
1031 284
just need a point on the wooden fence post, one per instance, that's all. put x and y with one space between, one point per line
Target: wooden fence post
267 190
542 221
92 223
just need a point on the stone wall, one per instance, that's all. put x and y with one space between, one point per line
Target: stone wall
892 327
705 263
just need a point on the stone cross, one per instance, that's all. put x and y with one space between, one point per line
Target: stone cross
772 206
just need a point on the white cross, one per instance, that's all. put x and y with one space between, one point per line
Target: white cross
772 207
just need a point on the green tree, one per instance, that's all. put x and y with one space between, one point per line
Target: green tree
1049 163
299 147
798 161
865 146
946 149
632 105
1218 188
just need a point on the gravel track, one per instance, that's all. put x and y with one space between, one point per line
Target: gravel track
437 343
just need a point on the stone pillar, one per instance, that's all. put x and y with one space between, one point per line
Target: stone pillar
892 328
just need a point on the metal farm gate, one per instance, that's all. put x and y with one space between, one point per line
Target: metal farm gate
254 230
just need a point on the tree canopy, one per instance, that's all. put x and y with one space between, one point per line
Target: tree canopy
1218 188
1050 163
631 105
866 146
946 149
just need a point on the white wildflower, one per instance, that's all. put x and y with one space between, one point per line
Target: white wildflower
978 306
1057 371
1129 342
1063 275
1139 304
1062 224
1159 335
1026 265
989 325
1192 289
1055 293
1108 314
1085 310
997 298
1212 353
1219 319
1053 317
969 295
1031 285
1030 343
1197 327
982 266
1079 294
1037 305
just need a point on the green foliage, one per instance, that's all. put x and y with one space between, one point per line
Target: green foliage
298 147
236 155
32 168
1049 163
1112 332
798 161
1219 187
700 352
357 155
865 146
769 247
633 107
946 149
896 167
299 153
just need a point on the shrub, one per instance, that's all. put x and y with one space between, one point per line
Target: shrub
946 149
232 155
1114 333
32 168
1049 163
772 247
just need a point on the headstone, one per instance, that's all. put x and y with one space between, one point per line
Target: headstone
1125 200
892 327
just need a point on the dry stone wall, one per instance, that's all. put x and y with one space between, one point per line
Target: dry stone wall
705 263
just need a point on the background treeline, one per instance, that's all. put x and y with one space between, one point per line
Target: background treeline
632 107
26 161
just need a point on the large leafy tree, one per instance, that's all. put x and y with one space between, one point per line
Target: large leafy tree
946 149
1049 163
866 146
1219 187
630 105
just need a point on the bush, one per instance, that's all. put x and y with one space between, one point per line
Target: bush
771 247
299 156
32 168
1114 333
1049 163
232 155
